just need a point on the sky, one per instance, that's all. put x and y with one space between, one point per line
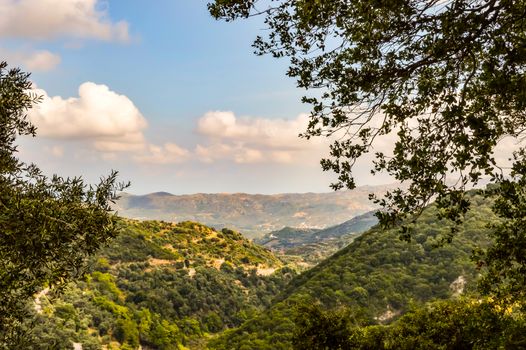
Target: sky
160 91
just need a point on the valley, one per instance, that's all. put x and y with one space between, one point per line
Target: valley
163 285
362 186
312 245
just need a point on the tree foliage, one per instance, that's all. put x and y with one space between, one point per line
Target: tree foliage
48 226
452 324
446 78
505 260
319 329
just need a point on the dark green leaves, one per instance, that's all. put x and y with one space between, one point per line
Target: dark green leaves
48 227
448 77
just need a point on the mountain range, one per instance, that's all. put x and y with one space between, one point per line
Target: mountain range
252 214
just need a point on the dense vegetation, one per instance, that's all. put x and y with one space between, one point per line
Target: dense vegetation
377 277
163 286
175 286
451 324
48 226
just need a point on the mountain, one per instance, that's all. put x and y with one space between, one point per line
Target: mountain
377 277
162 286
314 245
252 214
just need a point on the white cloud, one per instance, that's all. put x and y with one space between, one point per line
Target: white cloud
39 60
169 153
126 143
108 122
239 154
113 127
210 154
271 133
254 140
97 113
50 19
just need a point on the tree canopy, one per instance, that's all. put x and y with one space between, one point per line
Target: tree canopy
48 226
447 78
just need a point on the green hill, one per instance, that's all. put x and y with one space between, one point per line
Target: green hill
175 286
377 277
164 286
314 245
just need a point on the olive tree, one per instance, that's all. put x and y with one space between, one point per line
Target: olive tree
48 226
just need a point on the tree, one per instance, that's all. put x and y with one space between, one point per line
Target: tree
446 78
445 324
319 329
48 226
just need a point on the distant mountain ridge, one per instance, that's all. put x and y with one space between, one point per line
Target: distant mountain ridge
314 245
253 214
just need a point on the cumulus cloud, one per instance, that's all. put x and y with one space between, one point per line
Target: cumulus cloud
253 140
50 19
113 127
97 113
238 153
107 121
35 61
272 133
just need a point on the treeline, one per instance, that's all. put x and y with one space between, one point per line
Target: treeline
466 323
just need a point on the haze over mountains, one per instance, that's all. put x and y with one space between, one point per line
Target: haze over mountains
253 214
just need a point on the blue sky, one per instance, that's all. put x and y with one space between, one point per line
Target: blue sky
160 91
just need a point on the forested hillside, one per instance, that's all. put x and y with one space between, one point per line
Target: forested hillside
175 286
162 286
377 277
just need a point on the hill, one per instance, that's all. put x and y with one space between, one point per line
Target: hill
377 277
252 214
163 286
314 245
